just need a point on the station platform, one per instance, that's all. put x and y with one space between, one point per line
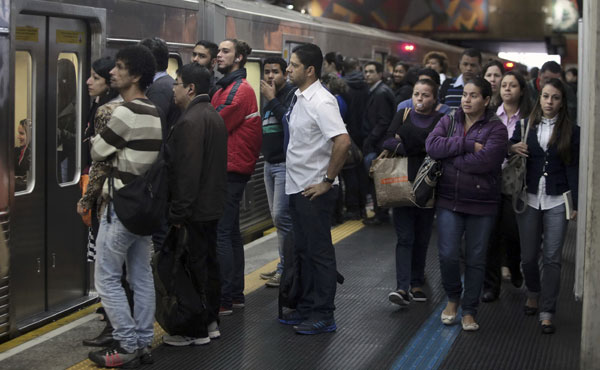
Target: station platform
372 333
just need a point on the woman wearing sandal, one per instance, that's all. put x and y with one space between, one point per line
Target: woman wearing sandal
552 151
468 195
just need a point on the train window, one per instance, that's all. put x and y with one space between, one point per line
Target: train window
67 122
379 56
253 77
24 133
175 63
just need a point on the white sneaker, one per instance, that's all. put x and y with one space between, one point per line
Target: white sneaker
213 330
180 340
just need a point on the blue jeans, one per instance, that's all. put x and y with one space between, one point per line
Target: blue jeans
115 246
552 224
279 205
476 229
413 230
230 247
315 253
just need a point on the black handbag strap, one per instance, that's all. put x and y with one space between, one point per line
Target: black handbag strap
452 126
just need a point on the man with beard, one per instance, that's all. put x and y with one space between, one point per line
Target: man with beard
316 153
236 103
205 54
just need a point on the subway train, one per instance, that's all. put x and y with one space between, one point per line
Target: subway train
46 49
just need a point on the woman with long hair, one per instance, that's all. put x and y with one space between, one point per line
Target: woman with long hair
406 137
552 152
468 194
504 253
22 155
493 71
105 100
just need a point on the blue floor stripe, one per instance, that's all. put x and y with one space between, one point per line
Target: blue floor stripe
428 348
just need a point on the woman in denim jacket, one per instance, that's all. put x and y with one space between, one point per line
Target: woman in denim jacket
552 151
468 195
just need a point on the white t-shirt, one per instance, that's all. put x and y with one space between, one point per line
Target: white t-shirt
314 121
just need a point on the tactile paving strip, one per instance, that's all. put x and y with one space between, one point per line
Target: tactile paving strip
371 332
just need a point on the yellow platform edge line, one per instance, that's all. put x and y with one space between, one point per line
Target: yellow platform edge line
252 282
47 328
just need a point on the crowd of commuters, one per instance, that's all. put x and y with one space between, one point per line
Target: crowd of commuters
315 108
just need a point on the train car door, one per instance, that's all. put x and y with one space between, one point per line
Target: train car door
48 237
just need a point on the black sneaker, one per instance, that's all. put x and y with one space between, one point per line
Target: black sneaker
115 357
311 327
292 318
372 221
399 297
418 295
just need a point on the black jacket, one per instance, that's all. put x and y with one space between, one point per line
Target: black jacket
379 113
356 98
560 177
197 147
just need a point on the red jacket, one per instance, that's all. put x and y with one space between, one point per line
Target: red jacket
236 103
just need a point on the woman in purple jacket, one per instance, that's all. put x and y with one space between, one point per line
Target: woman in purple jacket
468 194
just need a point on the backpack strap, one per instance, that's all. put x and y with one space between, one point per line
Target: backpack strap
232 92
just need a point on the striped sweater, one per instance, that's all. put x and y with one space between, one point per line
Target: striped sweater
451 95
131 141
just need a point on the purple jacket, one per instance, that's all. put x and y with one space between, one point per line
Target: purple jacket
470 182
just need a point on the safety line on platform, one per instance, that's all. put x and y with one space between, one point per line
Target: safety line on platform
252 281
4 347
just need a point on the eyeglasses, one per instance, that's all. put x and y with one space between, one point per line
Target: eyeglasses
177 83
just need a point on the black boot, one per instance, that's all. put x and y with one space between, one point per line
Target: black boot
104 339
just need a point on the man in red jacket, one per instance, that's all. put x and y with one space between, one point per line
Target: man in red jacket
236 103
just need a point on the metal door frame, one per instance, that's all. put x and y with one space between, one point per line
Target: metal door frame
95 18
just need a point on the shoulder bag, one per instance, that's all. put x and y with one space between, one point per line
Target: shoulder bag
427 177
513 176
390 175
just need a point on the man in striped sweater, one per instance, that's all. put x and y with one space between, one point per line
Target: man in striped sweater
130 143
452 88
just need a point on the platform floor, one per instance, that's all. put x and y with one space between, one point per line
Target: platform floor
372 333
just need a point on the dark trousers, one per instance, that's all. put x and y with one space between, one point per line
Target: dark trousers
230 247
316 256
205 267
356 184
413 230
504 247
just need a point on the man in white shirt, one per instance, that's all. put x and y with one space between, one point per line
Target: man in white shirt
318 146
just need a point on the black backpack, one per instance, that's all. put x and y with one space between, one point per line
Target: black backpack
141 205
180 305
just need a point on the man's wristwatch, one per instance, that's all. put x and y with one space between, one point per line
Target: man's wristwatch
328 180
